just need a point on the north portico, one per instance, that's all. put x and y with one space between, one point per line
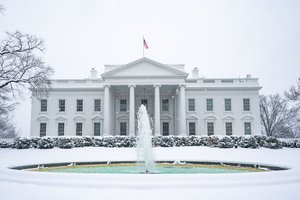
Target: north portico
177 103
144 82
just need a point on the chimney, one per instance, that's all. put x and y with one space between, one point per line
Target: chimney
248 76
93 73
195 73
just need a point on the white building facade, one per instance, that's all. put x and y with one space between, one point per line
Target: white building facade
176 103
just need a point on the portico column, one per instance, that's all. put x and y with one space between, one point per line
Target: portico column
131 111
177 111
106 128
182 112
157 111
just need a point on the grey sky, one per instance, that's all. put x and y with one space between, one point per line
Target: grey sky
221 38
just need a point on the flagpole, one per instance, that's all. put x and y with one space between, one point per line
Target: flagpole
143 48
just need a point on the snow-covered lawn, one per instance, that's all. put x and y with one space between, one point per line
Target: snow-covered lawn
16 184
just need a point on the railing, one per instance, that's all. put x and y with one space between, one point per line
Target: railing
224 81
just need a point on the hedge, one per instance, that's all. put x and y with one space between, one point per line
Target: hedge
157 141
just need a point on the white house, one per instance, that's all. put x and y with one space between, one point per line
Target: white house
176 103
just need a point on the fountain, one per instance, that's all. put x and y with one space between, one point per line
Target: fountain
144 142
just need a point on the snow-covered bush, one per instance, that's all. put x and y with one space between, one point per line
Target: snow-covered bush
157 141
5 144
248 142
272 143
45 143
87 142
65 143
226 142
22 143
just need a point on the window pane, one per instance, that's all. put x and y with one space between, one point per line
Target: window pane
43 105
43 129
165 105
61 105
61 129
97 105
79 129
79 105
209 105
123 105
123 128
247 127
165 128
210 128
192 128
227 104
191 103
246 104
228 128
97 127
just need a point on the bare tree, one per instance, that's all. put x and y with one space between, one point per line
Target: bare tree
294 93
2 9
7 129
20 67
277 117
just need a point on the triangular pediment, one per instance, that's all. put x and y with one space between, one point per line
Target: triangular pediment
97 118
210 117
144 67
228 118
79 118
192 118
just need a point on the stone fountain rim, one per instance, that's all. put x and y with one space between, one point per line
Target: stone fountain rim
240 164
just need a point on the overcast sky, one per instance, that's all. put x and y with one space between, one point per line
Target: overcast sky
221 38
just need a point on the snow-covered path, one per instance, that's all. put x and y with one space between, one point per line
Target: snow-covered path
16 184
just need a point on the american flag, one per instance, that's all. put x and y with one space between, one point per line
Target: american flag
145 44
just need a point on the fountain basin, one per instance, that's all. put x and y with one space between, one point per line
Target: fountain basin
161 167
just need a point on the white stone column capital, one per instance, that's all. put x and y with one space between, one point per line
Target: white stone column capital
157 86
131 85
106 86
182 86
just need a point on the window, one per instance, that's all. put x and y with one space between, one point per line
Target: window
227 104
43 105
61 129
165 128
191 103
210 128
247 128
209 105
123 105
97 128
61 105
165 105
144 102
228 126
43 129
192 128
123 127
79 129
246 104
97 105
79 105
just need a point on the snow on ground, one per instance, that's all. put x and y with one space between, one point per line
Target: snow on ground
16 184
